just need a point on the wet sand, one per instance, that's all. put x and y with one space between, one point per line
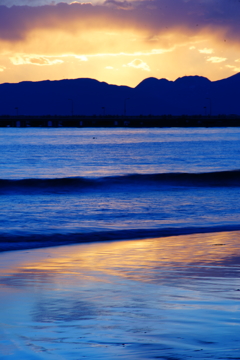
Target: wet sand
166 298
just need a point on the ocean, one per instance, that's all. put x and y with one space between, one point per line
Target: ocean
135 243
74 185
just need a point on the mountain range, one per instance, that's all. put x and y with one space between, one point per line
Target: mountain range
189 95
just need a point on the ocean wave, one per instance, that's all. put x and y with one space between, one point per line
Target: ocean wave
71 184
20 241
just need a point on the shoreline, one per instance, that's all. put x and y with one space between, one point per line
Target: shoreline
15 242
139 300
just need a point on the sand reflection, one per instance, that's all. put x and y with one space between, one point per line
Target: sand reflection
198 254
112 257
168 298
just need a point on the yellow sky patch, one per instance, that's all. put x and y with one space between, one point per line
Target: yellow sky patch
144 39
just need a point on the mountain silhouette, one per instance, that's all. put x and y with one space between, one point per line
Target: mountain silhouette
188 95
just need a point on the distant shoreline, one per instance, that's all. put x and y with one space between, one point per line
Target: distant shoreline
111 121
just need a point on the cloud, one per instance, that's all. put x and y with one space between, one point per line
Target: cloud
10 3
2 68
87 37
215 59
79 57
42 60
136 53
119 4
138 64
151 18
34 60
206 51
233 68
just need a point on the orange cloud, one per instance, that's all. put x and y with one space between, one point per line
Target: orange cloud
138 64
178 37
216 59
34 60
206 51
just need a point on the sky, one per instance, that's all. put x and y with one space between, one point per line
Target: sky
119 42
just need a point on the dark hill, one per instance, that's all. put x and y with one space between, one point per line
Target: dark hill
189 95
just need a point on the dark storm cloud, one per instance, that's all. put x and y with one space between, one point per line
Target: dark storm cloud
119 4
10 3
150 17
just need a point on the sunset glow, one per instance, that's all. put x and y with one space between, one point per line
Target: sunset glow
118 42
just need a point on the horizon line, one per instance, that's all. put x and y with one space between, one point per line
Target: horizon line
99 81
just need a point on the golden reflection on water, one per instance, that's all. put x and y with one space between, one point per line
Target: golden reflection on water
135 259
156 298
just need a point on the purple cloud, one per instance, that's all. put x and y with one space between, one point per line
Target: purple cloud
150 17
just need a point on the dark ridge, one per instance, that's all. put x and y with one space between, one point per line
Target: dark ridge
188 96
234 79
192 80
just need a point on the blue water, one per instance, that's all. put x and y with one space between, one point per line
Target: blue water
74 185
155 297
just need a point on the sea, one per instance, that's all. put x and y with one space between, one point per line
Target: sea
119 243
61 185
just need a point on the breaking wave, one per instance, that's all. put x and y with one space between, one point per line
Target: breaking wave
76 184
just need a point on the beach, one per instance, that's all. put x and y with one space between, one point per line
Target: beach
119 243
163 298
